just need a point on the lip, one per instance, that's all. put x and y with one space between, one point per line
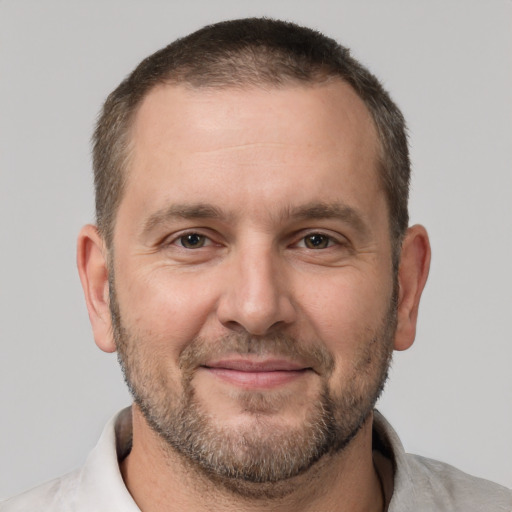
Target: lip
252 374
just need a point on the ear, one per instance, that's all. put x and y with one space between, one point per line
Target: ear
92 265
412 276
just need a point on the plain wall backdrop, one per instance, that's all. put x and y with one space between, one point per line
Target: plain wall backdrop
446 63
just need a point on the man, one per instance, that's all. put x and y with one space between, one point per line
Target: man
253 267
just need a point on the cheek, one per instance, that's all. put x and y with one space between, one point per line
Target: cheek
166 308
345 311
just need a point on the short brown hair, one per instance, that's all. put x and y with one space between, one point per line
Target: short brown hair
239 53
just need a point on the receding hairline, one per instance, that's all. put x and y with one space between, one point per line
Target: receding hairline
208 88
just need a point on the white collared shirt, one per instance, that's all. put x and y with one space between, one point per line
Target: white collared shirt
418 484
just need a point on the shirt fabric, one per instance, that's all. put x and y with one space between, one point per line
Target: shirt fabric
416 484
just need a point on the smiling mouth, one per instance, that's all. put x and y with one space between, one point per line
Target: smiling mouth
250 374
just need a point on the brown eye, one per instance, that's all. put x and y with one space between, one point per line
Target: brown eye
317 241
192 241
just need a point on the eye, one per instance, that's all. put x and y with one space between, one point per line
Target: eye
192 241
317 241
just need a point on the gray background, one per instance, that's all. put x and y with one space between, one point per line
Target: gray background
447 64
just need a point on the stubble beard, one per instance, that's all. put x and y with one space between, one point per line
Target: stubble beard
248 459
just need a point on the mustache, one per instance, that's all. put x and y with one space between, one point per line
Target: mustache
200 350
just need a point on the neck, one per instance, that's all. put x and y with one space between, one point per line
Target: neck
161 480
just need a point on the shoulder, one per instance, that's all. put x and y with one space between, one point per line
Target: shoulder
426 485
96 487
54 496
443 487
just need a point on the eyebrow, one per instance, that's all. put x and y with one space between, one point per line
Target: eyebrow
182 211
336 210
309 211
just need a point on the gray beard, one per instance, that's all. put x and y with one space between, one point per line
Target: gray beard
260 453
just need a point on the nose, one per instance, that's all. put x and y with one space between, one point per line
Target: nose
258 295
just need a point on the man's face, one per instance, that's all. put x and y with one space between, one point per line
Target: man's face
253 299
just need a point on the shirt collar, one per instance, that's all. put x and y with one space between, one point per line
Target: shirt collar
101 485
387 442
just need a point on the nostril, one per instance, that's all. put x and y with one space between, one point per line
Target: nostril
234 326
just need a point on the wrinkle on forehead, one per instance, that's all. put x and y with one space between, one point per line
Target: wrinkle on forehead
236 147
254 115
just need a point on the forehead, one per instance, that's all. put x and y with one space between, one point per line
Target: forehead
286 146
331 112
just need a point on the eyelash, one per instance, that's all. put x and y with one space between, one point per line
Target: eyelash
207 241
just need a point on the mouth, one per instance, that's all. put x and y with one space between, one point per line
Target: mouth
253 374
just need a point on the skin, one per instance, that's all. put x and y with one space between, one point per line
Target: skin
259 159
